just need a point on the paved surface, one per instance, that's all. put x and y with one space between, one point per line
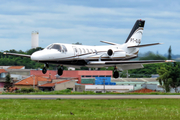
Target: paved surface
88 96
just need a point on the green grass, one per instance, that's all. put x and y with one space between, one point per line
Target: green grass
63 92
127 109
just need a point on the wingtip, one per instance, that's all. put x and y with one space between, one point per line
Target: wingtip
170 61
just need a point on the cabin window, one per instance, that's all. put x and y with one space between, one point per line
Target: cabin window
91 50
95 76
88 76
84 50
80 50
75 50
64 48
95 51
87 50
108 75
57 47
101 76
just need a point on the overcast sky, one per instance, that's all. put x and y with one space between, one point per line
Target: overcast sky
88 22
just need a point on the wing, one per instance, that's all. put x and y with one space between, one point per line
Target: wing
15 54
129 62
125 65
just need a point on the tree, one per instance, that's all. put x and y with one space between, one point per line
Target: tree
77 43
169 53
152 56
169 76
8 83
148 68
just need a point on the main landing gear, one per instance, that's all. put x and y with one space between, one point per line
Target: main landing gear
59 72
115 73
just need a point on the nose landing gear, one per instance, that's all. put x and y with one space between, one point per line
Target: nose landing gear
44 70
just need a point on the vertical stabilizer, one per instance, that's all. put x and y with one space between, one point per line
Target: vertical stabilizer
135 35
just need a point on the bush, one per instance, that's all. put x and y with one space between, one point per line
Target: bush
37 91
31 90
66 91
18 91
24 90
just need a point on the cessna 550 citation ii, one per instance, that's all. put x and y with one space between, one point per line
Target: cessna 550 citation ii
116 55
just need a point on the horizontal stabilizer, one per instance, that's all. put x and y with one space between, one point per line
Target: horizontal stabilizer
15 54
109 43
145 45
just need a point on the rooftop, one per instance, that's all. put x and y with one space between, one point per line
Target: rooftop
53 84
134 80
32 80
15 67
3 71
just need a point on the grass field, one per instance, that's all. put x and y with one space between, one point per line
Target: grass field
127 109
68 92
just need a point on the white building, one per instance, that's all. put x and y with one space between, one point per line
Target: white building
34 39
109 88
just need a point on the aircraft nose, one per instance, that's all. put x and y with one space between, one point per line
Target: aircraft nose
36 56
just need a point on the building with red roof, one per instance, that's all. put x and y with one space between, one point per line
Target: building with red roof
3 74
143 90
32 81
78 74
44 83
16 67
61 85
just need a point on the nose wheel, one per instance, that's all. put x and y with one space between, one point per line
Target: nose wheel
60 70
44 70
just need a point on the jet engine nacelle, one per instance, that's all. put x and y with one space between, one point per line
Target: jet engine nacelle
110 52
116 53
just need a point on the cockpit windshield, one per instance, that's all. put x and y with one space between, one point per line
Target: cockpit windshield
55 46
64 48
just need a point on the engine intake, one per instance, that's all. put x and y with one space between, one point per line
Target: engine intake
110 52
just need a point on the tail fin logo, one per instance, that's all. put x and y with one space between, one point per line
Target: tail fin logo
138 41
136 38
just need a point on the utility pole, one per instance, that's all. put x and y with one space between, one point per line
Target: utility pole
127 74
104 85
34 82
33 77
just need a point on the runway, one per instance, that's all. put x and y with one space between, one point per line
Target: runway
89 96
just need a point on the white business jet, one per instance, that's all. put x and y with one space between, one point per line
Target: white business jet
116 55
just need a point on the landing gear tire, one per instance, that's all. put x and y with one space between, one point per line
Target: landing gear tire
44 70
116 74
60 71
